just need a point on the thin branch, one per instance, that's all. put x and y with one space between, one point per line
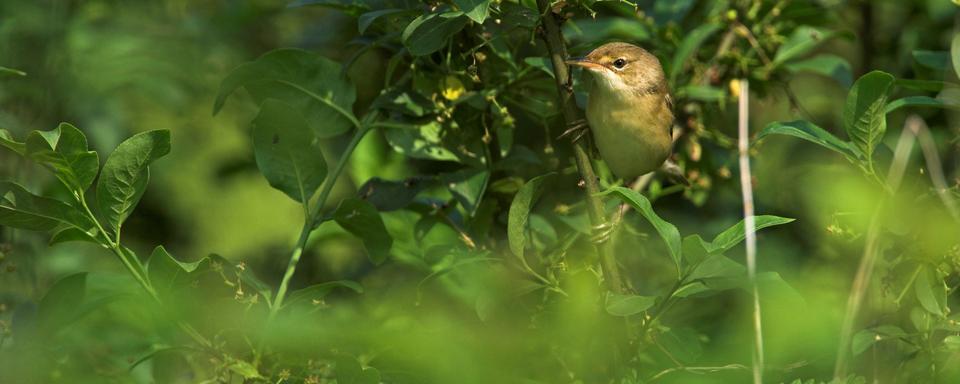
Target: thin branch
746 186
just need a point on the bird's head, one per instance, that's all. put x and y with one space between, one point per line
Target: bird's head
624 69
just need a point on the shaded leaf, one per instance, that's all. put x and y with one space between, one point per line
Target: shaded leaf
167 274
350 7
286 151
390 195
62 303
4 72
319 291
955 54
920 101
938 60
832 66
74 234
716 266
803 40
6 140
668 232
683 344
607 28
428 33
62 150
519 214
421 142
361 219
310 83
126 173
702 93
863 114
627 305
467 186
930 291
21 209
690 45
735 234
811 132
366 19
476 10
349 371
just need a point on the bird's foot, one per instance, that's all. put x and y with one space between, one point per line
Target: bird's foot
602 233
576 130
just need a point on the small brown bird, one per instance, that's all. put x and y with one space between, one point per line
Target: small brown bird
629 109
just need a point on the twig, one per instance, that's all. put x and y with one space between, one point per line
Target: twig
557 48
746 186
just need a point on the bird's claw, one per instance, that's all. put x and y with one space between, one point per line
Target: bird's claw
576 131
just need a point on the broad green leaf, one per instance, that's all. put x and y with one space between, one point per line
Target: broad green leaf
61 305
803 40
955 54
690 45
922 85
695 249
318 291
350 7
628 305
519 214
4 72
360 218
421 142
476 10
683 344
21 209
366 19
930 291
810 132
428 33
716 266
937 60
467 186
63 150
863 114
287 153
702 93
735 234
312 84
832 66
919 101
668 232
866 338
74 234
541 63
6 140
167 274
389 195
349 371
125 175
246 370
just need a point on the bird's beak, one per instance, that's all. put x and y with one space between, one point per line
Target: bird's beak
585 63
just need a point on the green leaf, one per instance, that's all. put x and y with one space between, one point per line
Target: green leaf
312 84
63 150
955 54
930 291
4 72
21 209
519 214
863 113
246 370
360 218
735 234
922 85
541 63
803 40
476 10
690 45
810 132
832 66
350 7
668 232
467 186
349 371
389 195
607 28
919 101
683 344
366 19
420 142
74 234
702 93
937 60
166 274
318 291
628 305
62 303
287 153
716 266
125 175
428 33
6 140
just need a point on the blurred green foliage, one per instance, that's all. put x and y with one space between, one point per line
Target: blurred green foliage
442 233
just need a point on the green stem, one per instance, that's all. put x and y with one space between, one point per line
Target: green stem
310 220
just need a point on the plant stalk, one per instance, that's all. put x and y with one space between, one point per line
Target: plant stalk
749 223
557 48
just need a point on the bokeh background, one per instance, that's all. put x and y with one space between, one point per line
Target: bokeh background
115 68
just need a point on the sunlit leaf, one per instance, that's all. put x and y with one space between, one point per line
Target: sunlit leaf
920 101
428 33
21 209
62 150
361 219
955 54
125 175
4 72
312 84
419 141
811 132
735 234
74 234
863 114
627 305
519 215
287 153
476 10
668 232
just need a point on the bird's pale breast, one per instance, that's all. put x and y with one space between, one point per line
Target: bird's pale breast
632 133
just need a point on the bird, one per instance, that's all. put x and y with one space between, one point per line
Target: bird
629 109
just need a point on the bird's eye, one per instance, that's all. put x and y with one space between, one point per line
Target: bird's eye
619 63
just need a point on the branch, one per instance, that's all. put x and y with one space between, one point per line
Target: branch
746 187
